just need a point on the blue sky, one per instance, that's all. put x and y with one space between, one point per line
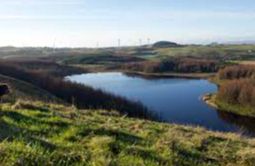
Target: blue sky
84 23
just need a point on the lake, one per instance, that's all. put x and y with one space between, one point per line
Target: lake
175 100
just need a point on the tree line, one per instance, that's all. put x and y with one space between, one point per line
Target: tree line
182 65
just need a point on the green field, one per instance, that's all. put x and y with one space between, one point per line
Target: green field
44 134
220 52
223 52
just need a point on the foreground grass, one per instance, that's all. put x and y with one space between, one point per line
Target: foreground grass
40 134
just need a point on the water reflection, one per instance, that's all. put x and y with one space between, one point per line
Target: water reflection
246 125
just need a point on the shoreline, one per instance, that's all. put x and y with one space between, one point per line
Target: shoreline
208 99
150 75
170 75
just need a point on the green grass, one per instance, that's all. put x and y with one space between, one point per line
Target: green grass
213 101
46 134
235 108
235 52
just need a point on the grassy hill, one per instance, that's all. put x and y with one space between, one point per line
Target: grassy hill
220 52
46 134
165 44
26 91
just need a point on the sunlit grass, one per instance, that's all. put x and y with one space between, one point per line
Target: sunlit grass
46 134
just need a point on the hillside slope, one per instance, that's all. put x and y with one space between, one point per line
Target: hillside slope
26 91
43 134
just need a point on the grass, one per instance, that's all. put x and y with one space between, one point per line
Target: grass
46 134
211 99
235 108
234 52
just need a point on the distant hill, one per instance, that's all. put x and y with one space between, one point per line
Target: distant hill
252 42
165 44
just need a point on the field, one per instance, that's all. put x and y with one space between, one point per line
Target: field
129 54
147 59
46 134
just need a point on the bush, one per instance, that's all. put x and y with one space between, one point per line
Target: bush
237 71
241 92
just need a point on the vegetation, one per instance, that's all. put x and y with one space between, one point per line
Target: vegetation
42 66
91 132
148 57
215 52
167 57
46 134
237 90
237 72
165 44
26 91
74 93
178 65
105 59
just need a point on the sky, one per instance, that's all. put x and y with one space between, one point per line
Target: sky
100 23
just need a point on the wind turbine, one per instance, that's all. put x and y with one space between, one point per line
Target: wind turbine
119 42
54 45
140 42
149 41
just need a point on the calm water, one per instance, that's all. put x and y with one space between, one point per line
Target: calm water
175 100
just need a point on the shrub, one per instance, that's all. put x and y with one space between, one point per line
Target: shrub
237 71
241 92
